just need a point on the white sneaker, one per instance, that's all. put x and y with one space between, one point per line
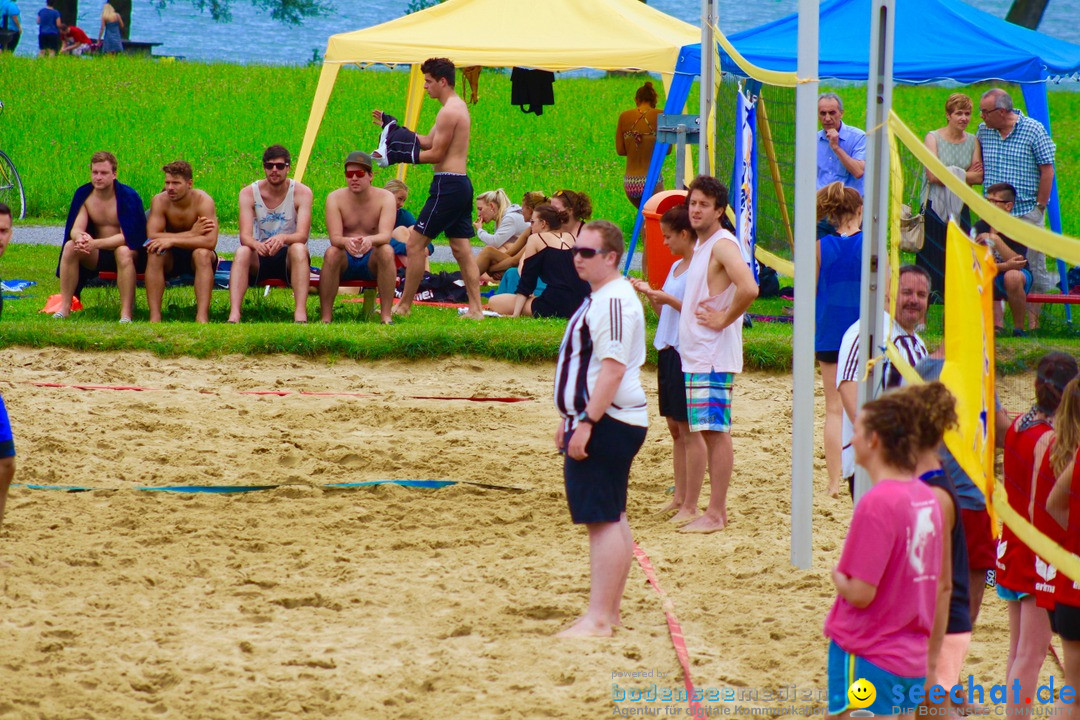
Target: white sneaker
379 153
59 316
125 320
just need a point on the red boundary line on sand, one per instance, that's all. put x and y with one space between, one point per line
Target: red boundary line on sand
283 393
674 628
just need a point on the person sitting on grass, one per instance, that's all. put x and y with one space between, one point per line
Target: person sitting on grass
577 204
494 261
183 234
5 238
275 220
494 206
547 257
1014 279
689 451
359 221
105 231
403 224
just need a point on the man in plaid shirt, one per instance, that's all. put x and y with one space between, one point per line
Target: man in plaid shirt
1017 150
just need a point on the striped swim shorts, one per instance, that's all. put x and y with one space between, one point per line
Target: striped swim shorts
708 401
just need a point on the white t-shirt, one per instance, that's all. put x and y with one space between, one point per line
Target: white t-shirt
609 324
911 348
667 327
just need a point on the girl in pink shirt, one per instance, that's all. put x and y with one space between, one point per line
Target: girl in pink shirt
887 577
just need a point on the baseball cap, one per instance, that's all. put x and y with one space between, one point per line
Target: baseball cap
359 158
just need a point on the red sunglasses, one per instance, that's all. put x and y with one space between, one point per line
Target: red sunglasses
350 174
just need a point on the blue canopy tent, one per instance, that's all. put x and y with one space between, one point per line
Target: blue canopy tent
936 40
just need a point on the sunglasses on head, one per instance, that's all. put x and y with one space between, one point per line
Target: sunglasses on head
275 165
587 253
356 173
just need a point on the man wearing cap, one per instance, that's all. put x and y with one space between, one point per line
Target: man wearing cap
275 220
359 220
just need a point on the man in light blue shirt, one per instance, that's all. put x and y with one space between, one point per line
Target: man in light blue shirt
841 148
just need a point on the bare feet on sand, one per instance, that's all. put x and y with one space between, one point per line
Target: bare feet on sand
684 516
668 508
707 523
586 627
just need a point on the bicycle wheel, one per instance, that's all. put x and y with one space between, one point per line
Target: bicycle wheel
11 187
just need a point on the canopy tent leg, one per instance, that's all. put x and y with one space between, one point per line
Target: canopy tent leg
413 100
318 107
1038 108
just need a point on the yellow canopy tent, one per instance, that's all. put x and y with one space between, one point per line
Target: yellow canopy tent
551 35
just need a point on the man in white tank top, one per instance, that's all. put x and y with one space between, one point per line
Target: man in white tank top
719 288
275 221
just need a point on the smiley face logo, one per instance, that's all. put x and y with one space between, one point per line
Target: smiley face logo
862 693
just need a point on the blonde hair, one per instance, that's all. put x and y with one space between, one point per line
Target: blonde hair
497 198
1066 427
109 14
393 185
958 101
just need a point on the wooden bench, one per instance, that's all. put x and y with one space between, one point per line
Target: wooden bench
367 287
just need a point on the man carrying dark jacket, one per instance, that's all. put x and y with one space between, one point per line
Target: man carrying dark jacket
105 230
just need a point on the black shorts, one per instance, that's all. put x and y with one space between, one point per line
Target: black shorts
274 267
184 263
107 263
827 356
671 385
448 209
1065 621
552 303
49 42
596 486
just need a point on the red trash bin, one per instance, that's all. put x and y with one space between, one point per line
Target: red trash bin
658 259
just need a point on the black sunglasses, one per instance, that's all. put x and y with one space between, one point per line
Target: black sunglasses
275 165
587 253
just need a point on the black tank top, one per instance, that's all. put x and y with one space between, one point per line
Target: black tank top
959 605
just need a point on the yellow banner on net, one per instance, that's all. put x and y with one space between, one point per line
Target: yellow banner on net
1037 238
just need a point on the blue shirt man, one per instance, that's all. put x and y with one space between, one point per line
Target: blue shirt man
9 16
841 148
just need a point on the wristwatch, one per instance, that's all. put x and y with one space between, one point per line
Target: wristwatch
584 419
1041 206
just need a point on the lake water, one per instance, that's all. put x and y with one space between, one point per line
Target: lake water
253 37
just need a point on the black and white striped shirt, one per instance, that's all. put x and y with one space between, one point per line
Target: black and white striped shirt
609 324
911 348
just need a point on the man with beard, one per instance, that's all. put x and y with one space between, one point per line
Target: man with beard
275 220
182 233
914 294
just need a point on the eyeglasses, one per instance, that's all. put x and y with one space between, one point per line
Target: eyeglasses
275 165
997 201
984 113
356 173
587 253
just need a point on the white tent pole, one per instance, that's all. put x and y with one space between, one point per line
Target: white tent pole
875 269
707 81
802 412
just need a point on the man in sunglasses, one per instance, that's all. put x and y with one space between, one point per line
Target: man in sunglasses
449 206
275 220
359 220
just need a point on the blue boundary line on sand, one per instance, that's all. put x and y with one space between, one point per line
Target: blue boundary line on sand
232 489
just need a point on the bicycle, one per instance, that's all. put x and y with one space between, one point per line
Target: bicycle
11 186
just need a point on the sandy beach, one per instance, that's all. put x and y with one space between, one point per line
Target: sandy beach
385 601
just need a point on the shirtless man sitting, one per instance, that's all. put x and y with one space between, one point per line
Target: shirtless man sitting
275 221
449 206
105 230
183 232
359 220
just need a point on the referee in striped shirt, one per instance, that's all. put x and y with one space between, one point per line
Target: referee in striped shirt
911 303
